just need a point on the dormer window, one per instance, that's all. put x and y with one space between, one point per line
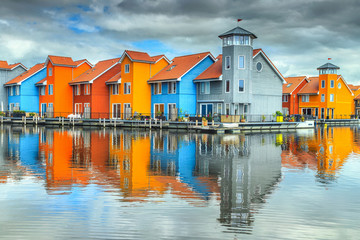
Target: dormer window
289 85
172 67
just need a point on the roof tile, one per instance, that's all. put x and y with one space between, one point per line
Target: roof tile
292 83
179 66
312 87
212 72
26 74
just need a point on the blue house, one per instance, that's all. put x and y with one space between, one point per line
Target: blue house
22 92
173 91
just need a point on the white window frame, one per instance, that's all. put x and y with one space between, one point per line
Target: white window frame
205 88
227 81
157 88
127 88
171 87
243 57
332 83
87 89
227 106
114 116
115 89
285 98
227 66
50 72
260 68
42 90
323 84
11 93
78 108
50 89
77 90
305 98
322 97
219 107
127 68
332 97
239 86
17 90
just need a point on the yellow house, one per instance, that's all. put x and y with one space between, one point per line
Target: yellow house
130 92
327 96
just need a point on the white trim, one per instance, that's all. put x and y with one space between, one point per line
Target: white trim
305 78
270 63
239 62
112 110
239 86
346 84
125 53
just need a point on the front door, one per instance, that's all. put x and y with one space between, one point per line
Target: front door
127 110
206 109
43 109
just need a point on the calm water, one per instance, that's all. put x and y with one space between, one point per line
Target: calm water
128 184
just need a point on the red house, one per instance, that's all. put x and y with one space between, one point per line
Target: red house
90 93
290 99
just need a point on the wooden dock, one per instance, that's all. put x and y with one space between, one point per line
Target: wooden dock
214 127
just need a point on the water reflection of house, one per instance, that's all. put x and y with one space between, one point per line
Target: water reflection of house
249 167
72 157
325 151
174 156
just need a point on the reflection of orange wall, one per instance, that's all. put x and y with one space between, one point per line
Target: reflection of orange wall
326 151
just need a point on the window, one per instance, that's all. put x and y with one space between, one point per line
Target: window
127 68
87 89
127 87
339 85
77 90
172 87
42 90
10 91
17 90
331 97
50 89
305 98
322 83
50 71
227 62
241 85
157 88
115 89
285 98
219 108
227 108
241 62
332 84
259 66
50 105
205 88
322 97
227 86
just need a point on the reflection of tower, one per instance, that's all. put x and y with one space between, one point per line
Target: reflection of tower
251 168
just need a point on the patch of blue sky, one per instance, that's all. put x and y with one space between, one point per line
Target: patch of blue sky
84 8
156 47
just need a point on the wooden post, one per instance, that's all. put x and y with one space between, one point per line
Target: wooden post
150 123
2 120
24 120
104 123
160 123
212 122
196 122
63 120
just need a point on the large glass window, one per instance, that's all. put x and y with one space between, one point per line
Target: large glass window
205 88
127 88
157 88
172 87
241 62
241 85
127 68
115 89
50 89
227 86
227 62
305 98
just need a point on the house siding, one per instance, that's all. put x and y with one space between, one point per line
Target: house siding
5 76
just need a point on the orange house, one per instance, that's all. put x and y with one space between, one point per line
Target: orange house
290 99
327 96
131 93
90 93
55 93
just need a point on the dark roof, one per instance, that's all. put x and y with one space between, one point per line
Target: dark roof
328 66
237 31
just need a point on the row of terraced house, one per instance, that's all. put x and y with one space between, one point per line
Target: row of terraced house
240 81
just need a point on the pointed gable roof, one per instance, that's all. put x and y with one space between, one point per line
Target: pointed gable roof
213 72
41 82
22 77
180 66
5 65
135 56
82 61
237 31
93 73
293 83
312 88
159 57
60 61
260 51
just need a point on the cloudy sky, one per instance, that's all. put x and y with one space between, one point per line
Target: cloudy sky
298 36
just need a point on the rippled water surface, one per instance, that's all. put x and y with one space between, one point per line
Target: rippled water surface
129 184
